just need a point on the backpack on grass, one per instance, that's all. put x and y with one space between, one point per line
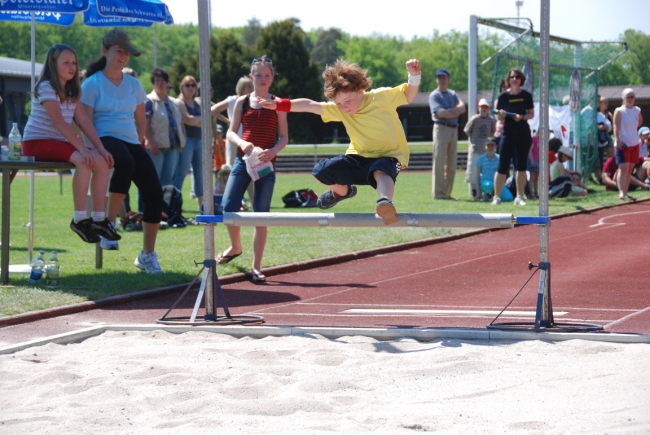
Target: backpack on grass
173 206
300 198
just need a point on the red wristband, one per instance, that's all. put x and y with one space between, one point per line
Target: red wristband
284 104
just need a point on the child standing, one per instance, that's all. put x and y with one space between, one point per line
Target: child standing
219 150
479 128
378 148
486 168
49 137
259 127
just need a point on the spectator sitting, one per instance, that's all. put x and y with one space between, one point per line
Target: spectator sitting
49 137
558 170
644 138
222 179
479 128
486 168
610 175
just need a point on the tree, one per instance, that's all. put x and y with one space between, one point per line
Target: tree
251 32
326 51
639 57
295 76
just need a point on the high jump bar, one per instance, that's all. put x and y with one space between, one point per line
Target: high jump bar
476 220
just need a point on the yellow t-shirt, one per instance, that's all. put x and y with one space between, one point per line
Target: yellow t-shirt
375 130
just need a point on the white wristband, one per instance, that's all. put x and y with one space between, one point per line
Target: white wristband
415 79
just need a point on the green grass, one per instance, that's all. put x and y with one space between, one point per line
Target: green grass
80 281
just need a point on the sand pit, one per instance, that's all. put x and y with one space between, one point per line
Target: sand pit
158 382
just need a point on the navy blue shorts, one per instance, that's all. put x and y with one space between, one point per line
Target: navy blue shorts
353 169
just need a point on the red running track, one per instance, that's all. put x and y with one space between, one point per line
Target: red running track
598 263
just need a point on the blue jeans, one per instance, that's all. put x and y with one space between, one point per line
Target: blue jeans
237 184
192 154
165 163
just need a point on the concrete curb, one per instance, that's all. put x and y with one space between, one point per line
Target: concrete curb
270 271
380 334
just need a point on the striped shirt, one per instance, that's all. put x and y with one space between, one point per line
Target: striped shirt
39 125
259 126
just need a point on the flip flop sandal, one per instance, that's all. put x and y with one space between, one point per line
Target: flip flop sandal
257 277
225 259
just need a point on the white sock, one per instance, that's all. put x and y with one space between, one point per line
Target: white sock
98 216
79 215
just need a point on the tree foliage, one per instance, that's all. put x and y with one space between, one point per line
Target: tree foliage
326 50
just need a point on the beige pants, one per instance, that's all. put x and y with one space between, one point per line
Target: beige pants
445 150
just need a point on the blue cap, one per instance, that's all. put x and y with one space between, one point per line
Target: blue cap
442 71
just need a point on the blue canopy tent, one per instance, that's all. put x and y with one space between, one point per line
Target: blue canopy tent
97 13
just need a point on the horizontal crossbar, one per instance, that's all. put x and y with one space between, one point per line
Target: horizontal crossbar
476 220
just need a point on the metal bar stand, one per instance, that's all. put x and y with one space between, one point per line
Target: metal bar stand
210 317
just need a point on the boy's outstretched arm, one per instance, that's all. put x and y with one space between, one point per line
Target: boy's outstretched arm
297 105
413 67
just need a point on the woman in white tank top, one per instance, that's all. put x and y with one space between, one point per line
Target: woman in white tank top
627 120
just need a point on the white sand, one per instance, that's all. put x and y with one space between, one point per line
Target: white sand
158 382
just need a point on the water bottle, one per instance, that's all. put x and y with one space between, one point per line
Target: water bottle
52 272
15 144
37 269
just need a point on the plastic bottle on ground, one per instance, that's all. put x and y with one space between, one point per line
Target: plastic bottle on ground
52 272
37 269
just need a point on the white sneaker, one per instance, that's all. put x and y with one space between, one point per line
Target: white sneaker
148 262
520 200
109 245
496 201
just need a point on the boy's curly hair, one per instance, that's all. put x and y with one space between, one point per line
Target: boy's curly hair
345 77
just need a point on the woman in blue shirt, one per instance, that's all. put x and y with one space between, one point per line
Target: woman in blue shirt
116 103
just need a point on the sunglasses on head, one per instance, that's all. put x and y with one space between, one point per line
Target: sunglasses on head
261 59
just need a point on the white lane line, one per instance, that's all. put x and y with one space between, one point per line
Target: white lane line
464 307
625 318
374 312
601 221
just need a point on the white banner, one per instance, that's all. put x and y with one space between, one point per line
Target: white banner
559 119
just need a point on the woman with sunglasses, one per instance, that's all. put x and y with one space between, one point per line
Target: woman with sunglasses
516 134
263 128
191 155
627 120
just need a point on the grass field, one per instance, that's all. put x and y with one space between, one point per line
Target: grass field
80 281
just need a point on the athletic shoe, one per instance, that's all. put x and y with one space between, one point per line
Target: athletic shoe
329 199
148 262
496 201
386 210
84 230
106 229
109 245
520 200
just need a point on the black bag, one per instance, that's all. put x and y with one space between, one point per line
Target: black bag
560 187
173 206
300 198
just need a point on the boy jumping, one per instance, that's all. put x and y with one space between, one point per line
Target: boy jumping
378 148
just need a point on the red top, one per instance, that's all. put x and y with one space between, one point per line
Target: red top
259 126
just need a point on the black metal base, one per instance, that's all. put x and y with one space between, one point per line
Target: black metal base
554 327
210 318
544 321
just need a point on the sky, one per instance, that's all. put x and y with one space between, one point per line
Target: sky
582 20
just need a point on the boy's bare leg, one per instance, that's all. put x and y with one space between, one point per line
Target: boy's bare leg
385 190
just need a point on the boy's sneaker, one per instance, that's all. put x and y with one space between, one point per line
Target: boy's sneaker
496 201
486 197
106 229
148 262
386 210
84 230
329 199
520 200
109 245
